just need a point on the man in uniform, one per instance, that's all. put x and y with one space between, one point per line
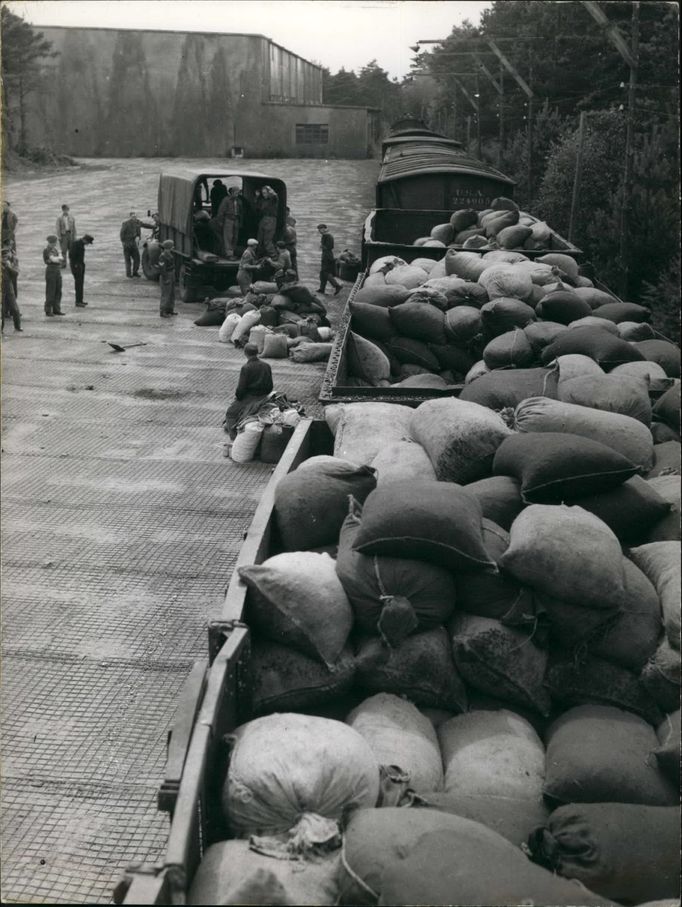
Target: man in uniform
77 263
327 264
9 225
218 193
227 218
254 385
130 235
267 225
66 231
10 269
289 236
167 279
248 265
53 277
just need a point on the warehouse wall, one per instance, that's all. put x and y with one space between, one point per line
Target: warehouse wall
146 93
344 128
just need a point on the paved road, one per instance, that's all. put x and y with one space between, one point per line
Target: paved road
121 521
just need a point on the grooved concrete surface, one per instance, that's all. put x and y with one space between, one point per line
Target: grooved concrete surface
121 521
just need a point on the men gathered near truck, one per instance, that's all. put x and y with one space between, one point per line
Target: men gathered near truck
66 232
77 264
53 276
228 217
130 236
289 236
218 193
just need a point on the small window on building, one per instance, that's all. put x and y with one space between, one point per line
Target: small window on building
312 133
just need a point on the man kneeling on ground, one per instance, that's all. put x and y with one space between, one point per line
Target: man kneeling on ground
254 385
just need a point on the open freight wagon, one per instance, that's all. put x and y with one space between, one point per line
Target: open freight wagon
217 700
214 701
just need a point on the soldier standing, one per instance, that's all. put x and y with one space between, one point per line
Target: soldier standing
66 232
167 279
130 235
77 263
327 264
53 277
10 269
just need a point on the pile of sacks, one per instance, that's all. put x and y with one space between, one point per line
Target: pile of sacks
484 616
432 324
280 325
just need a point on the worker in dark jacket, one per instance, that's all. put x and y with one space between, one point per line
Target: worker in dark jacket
218 193
167 279
254 385
10 269
327 264
53 277
77 264
9 225
130 235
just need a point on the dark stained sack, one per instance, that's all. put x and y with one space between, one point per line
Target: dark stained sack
453 357
661 433
311 502
625 394
494 757
628 636
510 350
632 510
541 333
569 552
392 597
666 459
600 754
419 321
438 522
420 668
602 346
667 408
456 867
500 499
623 311
284 680
495 595
563 307
375 839
554 467
407 350
624 434
661 677
231 872
371 321
667 529
666 354
624 851
466 293
463 323
385 296
399 735
212 317
510 387
500 661
668 750
580 680
460 437
504 314
296 599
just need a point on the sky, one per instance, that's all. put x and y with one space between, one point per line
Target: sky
335 33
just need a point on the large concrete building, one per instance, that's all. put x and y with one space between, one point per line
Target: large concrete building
193 94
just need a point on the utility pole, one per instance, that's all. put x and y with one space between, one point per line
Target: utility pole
454 113
478 116
577 176
501 114
468 130
530 129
